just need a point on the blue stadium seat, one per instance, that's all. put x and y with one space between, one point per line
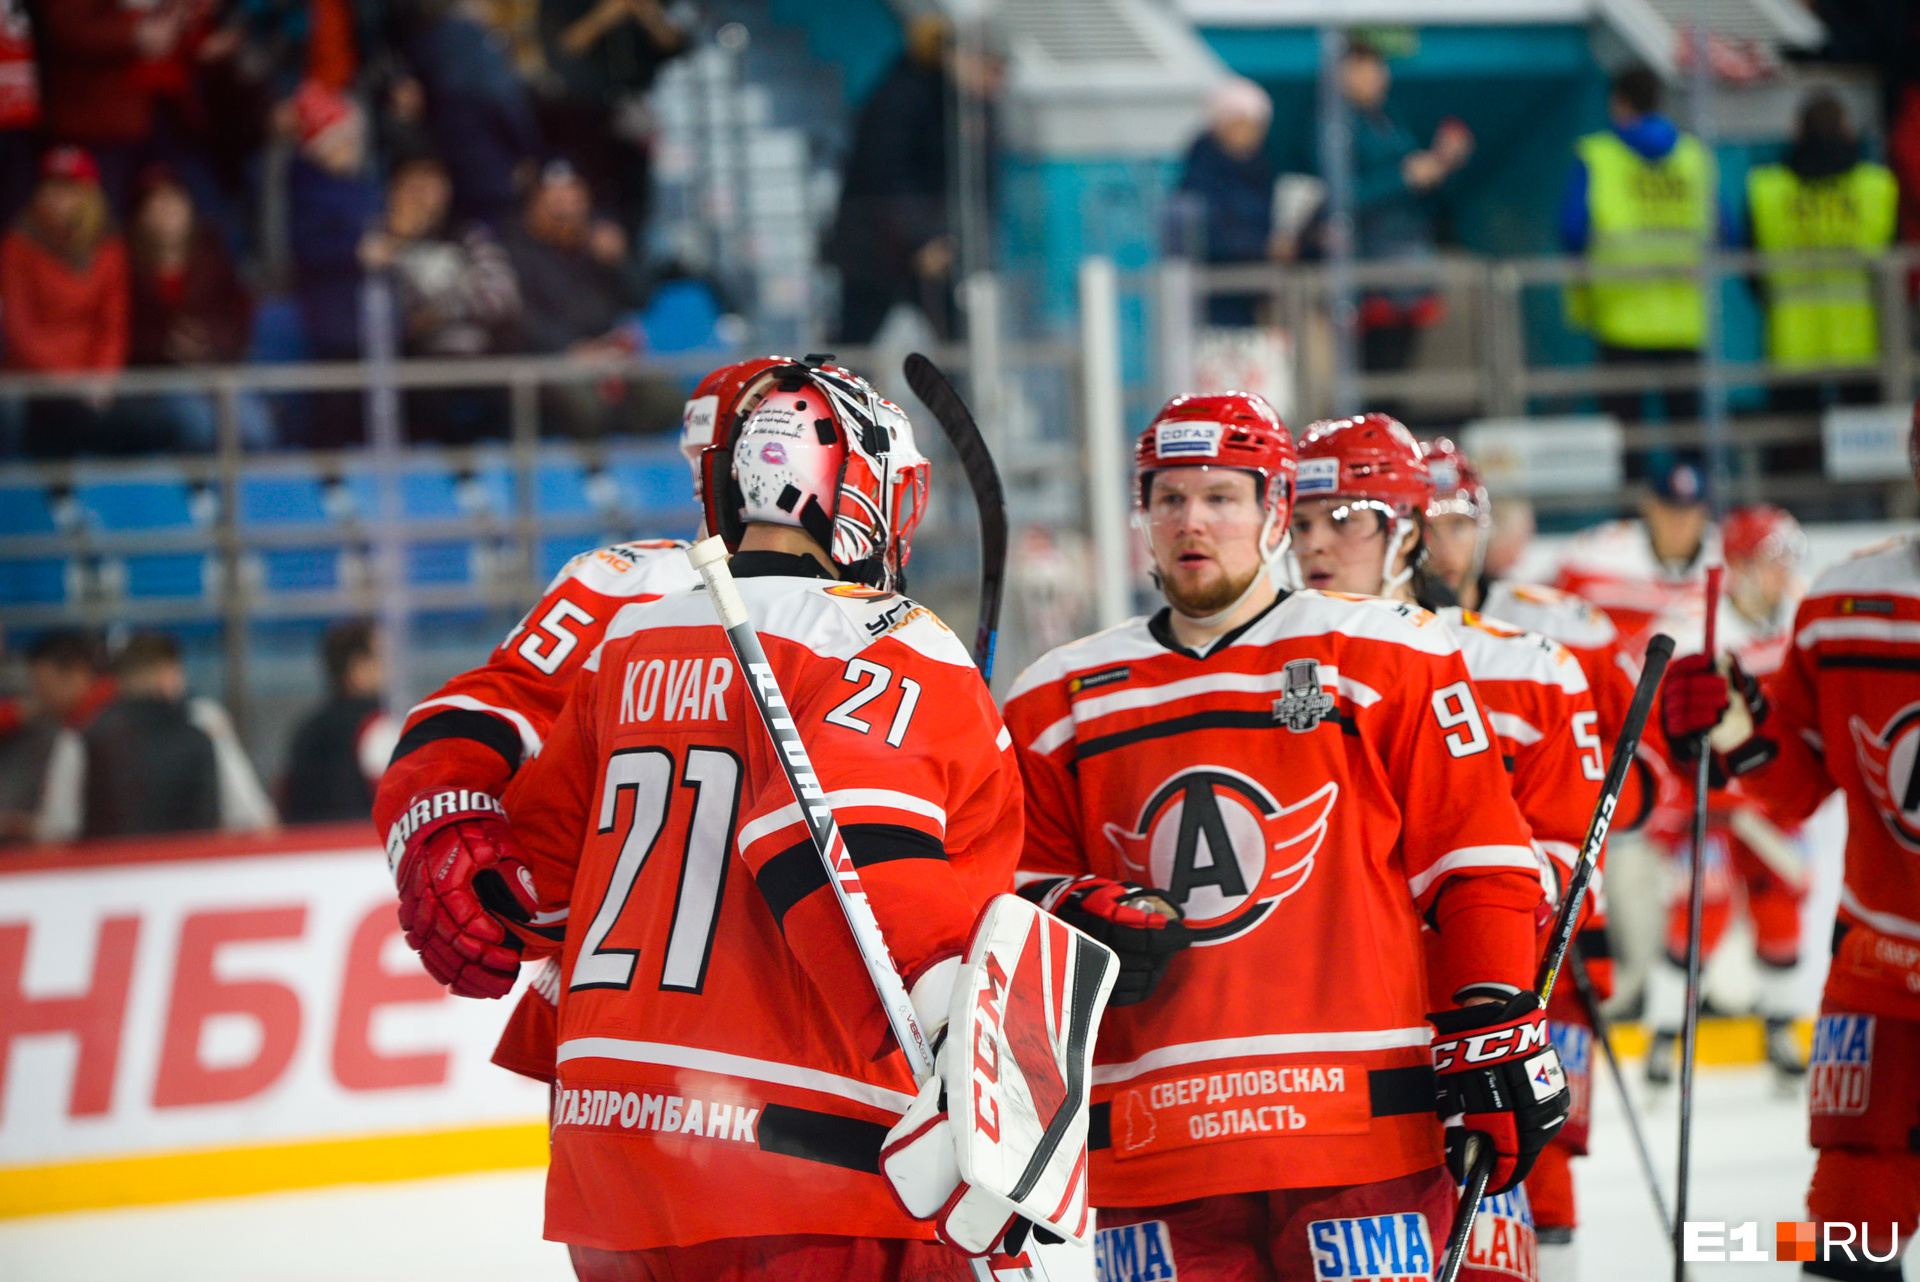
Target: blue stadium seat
493 487
154 501
294 499
429 491
440 564
26 509
36 581
656 493
166 574
560 487
559 549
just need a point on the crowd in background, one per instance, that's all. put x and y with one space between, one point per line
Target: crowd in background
166 168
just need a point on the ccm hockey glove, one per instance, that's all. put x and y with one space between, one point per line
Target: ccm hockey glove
466 897
1499 1079
1720 700
1141 927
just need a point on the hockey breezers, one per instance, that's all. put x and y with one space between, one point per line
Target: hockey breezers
709 558
956 420
1479 1161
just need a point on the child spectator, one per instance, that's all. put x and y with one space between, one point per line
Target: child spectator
340 750
63 281
331 205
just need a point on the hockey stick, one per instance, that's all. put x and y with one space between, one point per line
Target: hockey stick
1696 895
956 420
709 558
1589 1001
1479 1158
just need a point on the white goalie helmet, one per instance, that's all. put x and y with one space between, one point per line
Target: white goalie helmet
823 451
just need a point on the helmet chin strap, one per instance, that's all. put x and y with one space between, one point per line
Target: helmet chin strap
1270 562
1390 580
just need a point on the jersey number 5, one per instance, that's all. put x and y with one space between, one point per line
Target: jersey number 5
712 775
547 653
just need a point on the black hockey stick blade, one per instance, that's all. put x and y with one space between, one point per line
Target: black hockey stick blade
1659 650
956 420
1479 1173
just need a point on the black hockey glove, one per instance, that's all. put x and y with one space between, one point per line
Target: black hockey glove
1499 1079
1142 928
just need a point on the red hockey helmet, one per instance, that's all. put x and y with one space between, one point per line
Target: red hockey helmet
720 396
1457 487
1372 457
1230 429
821 450
1762 532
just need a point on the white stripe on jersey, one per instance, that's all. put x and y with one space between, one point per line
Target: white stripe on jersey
807 612
1520 857
1885 923
668 1055
1527 656
1509 726
1891 569
1550 612
1856 628
1085 710
1380 1039
529 740
845 799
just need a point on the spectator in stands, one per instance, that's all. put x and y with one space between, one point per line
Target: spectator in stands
890 239
63 299
332 203
66 689
19 110
1822 195
478 111
1641 194
96 88
602 57
1395 210
1228 173
154 760
340 750
455 295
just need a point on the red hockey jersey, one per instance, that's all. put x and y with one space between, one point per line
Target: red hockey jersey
720 1065
1613 566
1846 714
1306 792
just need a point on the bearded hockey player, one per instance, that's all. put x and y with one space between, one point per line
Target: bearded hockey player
1216 792
440 804
1635 570
725 1074
1843 712
1749 859
1360 525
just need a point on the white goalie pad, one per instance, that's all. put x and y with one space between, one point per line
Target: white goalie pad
1001 1129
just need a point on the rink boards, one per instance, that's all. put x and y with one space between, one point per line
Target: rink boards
197 1017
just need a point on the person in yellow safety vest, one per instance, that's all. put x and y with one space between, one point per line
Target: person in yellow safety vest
1641 195
1821 196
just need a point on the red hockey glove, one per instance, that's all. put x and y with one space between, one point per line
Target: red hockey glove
466 897
1142 928
1721 701
1499 1079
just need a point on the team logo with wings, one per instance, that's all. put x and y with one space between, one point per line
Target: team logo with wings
1886 760
1224 850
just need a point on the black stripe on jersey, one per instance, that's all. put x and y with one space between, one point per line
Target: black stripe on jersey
797 872
1594 944
462 723
1391 1092
1887 662
1507 761
829 1138
1226 719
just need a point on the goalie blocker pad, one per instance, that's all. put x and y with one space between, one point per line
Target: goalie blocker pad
1000 1131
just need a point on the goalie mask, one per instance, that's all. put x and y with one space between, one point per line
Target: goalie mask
824 452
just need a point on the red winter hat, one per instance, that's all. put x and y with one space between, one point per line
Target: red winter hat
316 109
74 164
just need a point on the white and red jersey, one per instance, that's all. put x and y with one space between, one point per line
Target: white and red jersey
476 730
1845 711
723 1066
1306 792
1759 644
1613 566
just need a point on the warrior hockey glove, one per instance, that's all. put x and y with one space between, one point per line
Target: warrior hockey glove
1720 700
1142 929
995 1143
466 897
1500 1079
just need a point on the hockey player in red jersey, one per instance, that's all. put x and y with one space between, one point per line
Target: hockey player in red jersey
1366 499
1634 570
1216 792
725 1075
1749 858
1843 712
439 806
